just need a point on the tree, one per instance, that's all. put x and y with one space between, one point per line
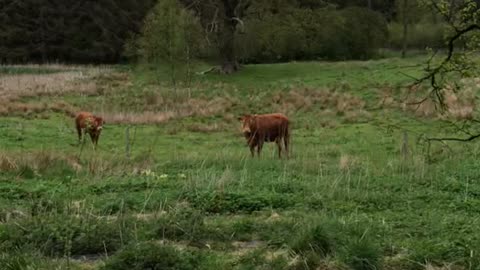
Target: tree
463 18
171 37
220 19
67 30
408 12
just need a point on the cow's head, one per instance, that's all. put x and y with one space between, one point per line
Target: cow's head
98 124
247 123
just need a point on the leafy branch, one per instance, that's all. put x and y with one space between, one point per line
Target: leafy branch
435 75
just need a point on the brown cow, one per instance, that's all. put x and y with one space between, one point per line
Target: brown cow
90 124
260 128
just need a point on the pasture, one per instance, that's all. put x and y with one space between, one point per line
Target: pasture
172 183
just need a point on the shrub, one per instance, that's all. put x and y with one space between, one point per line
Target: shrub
152 256
420 35
171 38
303 34
273 38
365 32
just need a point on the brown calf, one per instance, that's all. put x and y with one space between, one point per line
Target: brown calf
90 124
260 128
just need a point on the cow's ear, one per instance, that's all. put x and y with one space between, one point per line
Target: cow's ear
241 118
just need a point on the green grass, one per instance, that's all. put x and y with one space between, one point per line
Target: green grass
347 199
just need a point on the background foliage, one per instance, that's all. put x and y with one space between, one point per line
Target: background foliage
272 31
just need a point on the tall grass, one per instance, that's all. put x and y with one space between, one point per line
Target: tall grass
356 194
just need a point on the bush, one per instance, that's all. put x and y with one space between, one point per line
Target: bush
152 256
272 38
171 38
420 35
365 32
305 34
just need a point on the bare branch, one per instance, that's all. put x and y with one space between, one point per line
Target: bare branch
240 22
469 139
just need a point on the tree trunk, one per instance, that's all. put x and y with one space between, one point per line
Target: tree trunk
369 4
405 29
227 38
43 43
227 51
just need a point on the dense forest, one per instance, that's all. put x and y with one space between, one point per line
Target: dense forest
99 31
68 30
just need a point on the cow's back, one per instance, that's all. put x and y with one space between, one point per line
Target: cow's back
271 125
271 120
81 119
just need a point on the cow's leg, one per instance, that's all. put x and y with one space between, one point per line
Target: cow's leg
79 132
84 137
96 139
286 141
92 136
259 147
252 150
278 141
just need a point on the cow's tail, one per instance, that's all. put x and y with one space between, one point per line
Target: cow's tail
288 139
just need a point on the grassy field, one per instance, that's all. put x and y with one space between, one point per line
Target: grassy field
172 185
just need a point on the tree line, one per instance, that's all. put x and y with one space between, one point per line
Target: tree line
232 31
87 31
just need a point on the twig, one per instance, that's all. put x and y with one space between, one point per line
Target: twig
471 138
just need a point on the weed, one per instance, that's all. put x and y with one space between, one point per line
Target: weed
148 255
62 235
18 259
257 259
233 202
362 254
317 239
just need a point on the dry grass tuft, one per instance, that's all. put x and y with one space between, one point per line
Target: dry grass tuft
460 105
8 163
61 67
444 267
206 128
347 162
359 116
386 98
33 85
26 109
138 118
188 108
307 98
203 107
37 161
